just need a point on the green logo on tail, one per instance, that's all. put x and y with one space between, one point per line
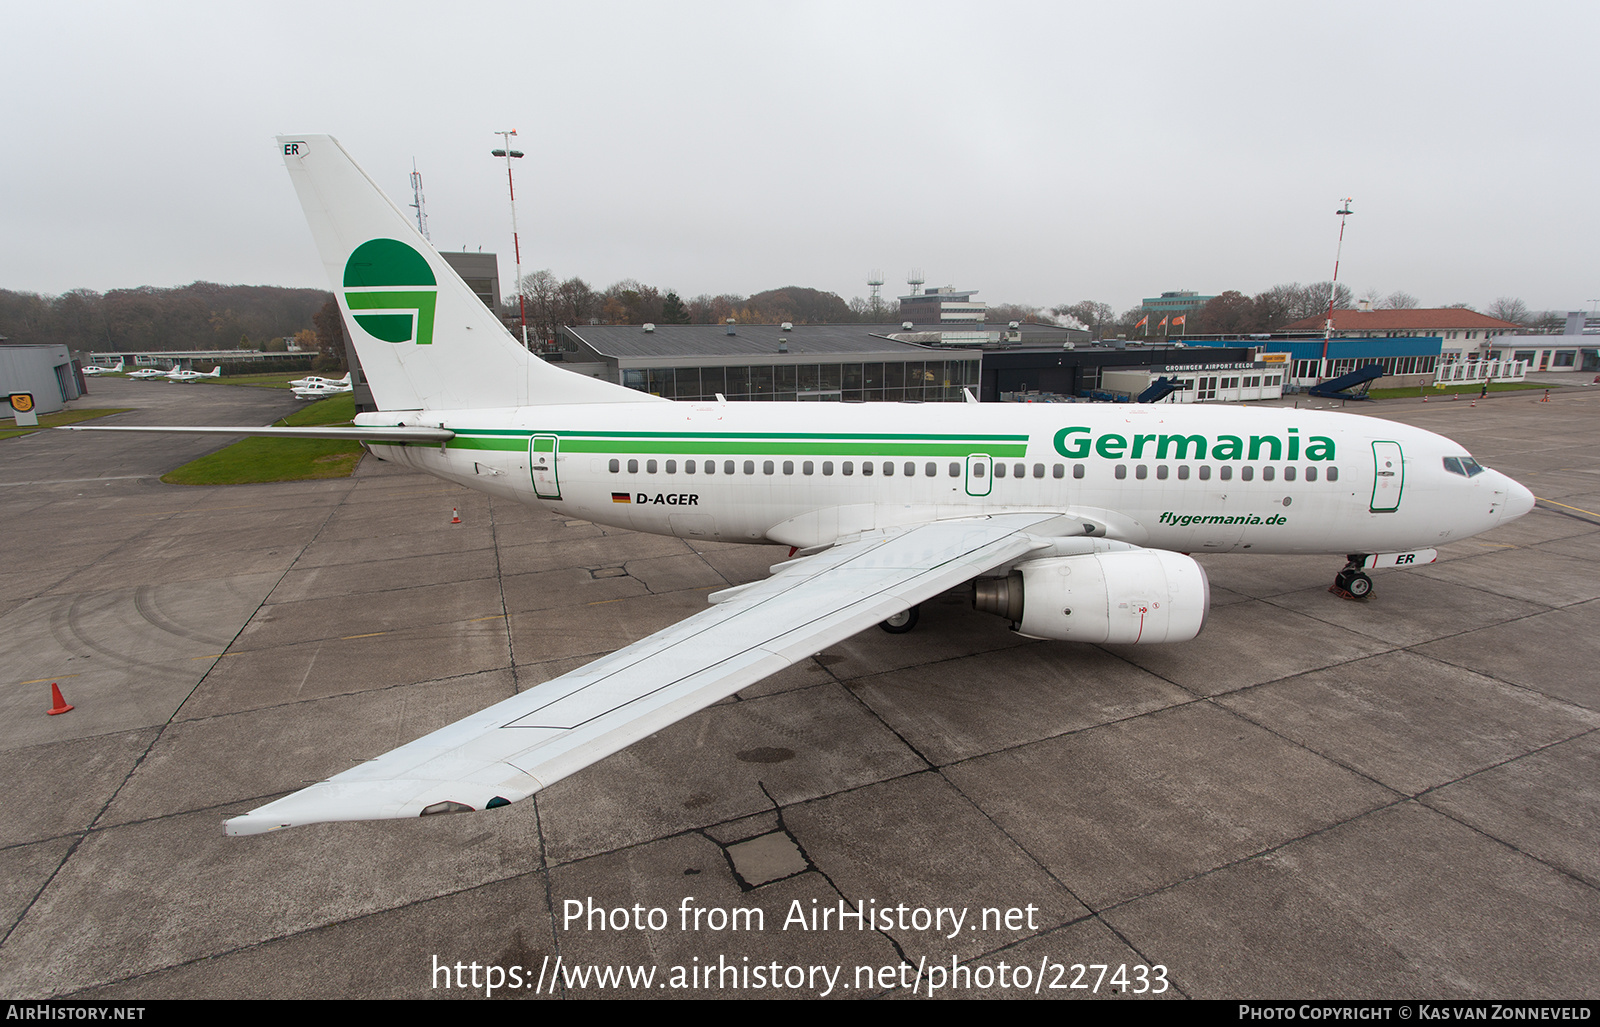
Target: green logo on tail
391 291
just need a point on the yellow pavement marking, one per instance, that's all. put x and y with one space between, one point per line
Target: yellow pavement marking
40 681
1564 506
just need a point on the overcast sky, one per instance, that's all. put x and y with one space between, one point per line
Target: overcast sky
1041 153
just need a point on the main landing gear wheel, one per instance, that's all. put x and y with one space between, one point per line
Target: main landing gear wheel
901 622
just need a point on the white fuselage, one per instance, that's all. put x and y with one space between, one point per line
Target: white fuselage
1191 479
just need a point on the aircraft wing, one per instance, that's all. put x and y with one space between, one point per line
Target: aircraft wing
518 746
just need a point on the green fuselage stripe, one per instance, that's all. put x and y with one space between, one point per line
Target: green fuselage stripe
749 447
820 436
644 443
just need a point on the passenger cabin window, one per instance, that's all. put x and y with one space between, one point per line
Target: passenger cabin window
616 465
633 467
1246 473
650 466
1333 474
1121 471
1000 470
1077 470
807 467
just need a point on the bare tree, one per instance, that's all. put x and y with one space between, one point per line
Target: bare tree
1231 313
1509 308
1399 300
1278 306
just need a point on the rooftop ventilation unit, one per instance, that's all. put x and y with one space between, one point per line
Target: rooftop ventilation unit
906 326
649 327
731 323
787 326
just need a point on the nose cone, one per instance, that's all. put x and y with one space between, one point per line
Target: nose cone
1518 501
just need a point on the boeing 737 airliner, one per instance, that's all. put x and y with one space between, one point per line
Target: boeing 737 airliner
1072 521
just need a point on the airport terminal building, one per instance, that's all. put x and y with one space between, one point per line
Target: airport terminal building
927 364
848 363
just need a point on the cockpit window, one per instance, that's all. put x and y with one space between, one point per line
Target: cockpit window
1463 465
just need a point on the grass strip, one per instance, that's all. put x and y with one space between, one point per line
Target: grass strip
258 460
62 417
1413 392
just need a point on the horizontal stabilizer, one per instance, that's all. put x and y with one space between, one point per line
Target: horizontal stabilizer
390 433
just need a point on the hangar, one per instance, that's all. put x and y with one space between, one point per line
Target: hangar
45 371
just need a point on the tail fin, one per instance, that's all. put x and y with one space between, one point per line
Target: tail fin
425 340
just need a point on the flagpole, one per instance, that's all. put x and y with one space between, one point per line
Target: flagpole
1333 288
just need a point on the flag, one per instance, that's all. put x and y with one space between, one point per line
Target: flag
1177 321
1142 322
1163 323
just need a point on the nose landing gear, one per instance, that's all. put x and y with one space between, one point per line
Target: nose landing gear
1352 582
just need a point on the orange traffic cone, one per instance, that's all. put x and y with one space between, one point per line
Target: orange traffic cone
1546 396
455 515
61 705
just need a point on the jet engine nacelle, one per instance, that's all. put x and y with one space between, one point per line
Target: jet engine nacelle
1136 595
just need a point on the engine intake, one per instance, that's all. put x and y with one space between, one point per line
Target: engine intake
1130 596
